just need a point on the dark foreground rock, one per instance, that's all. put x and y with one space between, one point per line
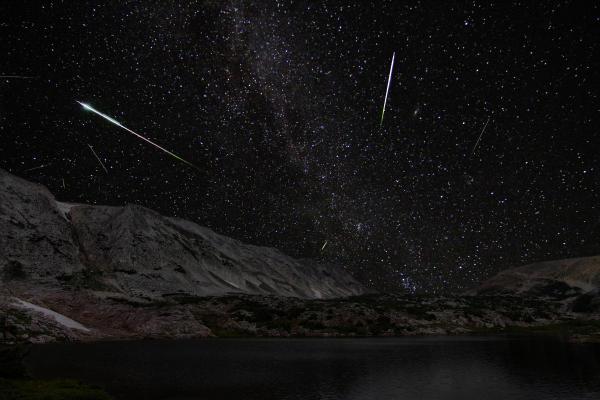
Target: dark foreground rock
63 389
16 384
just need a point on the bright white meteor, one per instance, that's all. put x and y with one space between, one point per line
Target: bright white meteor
387 90
106 117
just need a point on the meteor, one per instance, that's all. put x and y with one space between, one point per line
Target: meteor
117 123
98 158
480 135
16 77
387 90
36 168
324 245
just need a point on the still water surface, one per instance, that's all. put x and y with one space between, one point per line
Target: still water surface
462 368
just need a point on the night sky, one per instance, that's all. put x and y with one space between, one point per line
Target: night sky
278 103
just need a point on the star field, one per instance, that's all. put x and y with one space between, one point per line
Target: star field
278 103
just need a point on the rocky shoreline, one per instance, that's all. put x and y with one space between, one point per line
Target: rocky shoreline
185 317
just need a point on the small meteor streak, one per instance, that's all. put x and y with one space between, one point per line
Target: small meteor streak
387 90
16 77
324 245
36 168
480 135
98 158
106 117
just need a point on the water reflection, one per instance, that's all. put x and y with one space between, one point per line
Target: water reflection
336 369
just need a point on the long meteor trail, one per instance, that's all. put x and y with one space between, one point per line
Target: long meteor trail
117 123
387 90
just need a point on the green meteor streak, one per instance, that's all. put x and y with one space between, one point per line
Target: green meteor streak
106 117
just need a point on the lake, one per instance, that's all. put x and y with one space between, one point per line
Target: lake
330 369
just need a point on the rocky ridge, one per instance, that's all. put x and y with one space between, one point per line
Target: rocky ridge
136 253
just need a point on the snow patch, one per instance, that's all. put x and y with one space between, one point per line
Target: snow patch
231 283
61 319
64 208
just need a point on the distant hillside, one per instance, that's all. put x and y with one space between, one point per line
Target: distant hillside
135 252
560 278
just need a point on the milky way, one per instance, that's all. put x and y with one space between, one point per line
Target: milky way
278 104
